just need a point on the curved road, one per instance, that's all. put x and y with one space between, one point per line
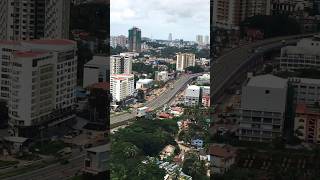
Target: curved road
159 101
228 64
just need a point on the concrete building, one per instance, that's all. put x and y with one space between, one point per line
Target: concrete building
306 54
97 159
121 86
26 20
205 96
162 76
134 39
170 37
38 80
262 108
120 65
221 158
144 84
306 91
290 7
205 100
206 40
205 90
317 6
203 79
121 41
307 123
199 39
228 14
129 54
185 60
96 70
192 96
256 7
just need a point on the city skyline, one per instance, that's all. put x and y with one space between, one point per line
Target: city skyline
183 21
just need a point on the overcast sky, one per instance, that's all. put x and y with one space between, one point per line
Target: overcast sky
157 18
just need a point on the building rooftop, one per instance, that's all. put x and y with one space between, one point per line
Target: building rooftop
267 81
15 139
100 85
26 54
52 41
122 75
145 81
103 148
193 87
304 80
98 60
302 108
222 151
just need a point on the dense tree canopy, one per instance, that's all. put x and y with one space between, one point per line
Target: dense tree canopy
117 50
195 69
275 25
194 167
131 145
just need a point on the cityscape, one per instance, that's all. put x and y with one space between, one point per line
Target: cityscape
148 90
54 89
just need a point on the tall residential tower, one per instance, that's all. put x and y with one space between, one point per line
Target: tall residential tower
34 19
134 39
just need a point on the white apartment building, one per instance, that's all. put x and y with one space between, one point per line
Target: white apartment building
262 109
162 76
121 86
185 60
96 70
192 96
30 19
306 90
38 80
306 54
144 84
120 65
96 159
129 54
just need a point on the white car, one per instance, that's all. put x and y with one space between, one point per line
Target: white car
68 136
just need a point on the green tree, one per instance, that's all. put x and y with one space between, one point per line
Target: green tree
195 69
194 167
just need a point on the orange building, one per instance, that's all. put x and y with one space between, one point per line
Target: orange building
307 123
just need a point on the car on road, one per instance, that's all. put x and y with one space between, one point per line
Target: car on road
67 136
27 164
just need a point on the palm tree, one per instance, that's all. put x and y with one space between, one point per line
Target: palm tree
131 151
141 170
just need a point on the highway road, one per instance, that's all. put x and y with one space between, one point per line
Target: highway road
228 64
54 171
159 101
